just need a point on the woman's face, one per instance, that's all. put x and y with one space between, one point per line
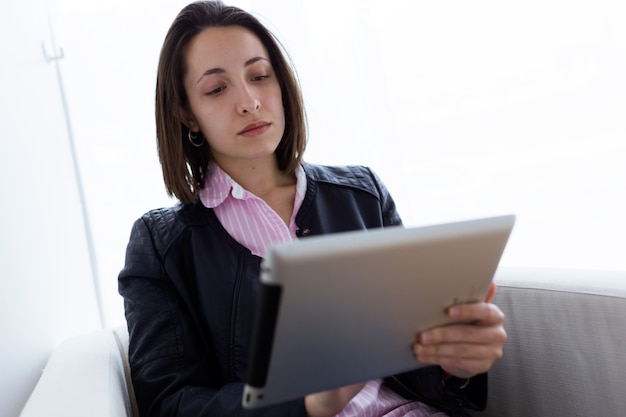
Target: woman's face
234 95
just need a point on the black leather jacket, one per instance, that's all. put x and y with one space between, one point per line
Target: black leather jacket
190 291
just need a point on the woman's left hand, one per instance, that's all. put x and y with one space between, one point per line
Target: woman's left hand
465 350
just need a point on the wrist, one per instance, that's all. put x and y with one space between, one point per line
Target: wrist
330 403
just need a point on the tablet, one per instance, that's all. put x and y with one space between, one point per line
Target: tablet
344 308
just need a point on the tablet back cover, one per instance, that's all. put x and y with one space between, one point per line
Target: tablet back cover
344 308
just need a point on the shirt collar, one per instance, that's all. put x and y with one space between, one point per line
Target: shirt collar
219 185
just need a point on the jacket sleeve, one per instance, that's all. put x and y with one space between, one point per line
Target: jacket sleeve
173 372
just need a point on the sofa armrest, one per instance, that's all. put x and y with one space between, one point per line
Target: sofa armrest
566 352
85 375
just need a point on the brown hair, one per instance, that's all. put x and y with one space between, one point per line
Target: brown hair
184 165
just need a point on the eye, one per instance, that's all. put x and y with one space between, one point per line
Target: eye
216 91
260 77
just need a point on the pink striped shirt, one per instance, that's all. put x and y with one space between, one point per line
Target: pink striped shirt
377 400
246 217
255 225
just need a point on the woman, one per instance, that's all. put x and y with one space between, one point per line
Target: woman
231 134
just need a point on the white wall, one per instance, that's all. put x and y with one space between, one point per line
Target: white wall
465 109
475 108
46 290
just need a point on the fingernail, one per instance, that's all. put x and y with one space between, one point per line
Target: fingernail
454 312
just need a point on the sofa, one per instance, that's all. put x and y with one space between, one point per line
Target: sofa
565 356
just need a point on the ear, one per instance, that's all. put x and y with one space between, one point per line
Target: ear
188 119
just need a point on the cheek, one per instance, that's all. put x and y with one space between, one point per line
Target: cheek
278 109
213 132
275 96
278 105
211 119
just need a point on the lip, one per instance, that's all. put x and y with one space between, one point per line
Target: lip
255 129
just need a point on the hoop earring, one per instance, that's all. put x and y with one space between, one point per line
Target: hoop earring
193 138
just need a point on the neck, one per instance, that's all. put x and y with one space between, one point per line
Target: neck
260 177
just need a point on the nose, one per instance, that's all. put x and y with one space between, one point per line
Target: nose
249 102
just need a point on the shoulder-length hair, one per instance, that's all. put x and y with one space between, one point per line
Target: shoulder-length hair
184 165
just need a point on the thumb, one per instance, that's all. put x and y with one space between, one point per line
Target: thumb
491 293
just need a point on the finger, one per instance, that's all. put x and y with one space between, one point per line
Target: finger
463 333
462 368
491 293
462 360
478 313
460 351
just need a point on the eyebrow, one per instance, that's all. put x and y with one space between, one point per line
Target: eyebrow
222 70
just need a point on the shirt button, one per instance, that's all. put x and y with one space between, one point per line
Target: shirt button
306 232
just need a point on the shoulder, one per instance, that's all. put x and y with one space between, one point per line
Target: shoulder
339 189
164 225
353 176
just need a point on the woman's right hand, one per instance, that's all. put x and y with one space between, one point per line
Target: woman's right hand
330 403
